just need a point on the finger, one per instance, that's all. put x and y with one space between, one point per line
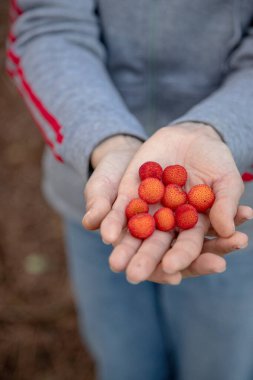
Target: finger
187 247
207 263
102 188
160 277
244 214
123 252
100 192
115 220
228 191
237 241
100 195
120 238
149 255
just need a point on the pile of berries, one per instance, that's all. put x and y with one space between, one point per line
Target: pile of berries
179 209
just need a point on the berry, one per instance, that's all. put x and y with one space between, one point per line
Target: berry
201 197
175 174
164 219
174 196
150 169
247 177
186 216
141 226
136 206
151 190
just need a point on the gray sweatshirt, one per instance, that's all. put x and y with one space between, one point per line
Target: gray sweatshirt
90 69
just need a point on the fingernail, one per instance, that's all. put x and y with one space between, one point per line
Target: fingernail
87 214
105 242
221 270
133 282
242 246
89 211
114 271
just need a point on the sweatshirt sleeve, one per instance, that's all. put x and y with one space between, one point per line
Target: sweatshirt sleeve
58 62
230 108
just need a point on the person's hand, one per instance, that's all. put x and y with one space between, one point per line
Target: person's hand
110 160
207 160
209 261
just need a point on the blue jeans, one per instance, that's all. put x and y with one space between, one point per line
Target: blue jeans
199 330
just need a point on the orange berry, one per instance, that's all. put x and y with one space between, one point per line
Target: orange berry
151 190
201 197
141 226
186 216
175 174
150 169
174 196
136 206
164 219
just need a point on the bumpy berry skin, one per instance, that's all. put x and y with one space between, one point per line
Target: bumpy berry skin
174 196
150 169
141 226
186 216
174 174
136 206
201 197
164 219
151 190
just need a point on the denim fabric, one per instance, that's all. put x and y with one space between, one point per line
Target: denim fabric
119 322
199 330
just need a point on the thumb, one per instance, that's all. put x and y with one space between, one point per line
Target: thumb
101 190
228 191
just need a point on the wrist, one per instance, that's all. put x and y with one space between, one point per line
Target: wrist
199 128
114 143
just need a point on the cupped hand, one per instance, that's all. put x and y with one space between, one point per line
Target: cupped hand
209 261
109 160
208 160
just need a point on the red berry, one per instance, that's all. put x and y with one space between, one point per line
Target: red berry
164 219
186 216
175 174
174 196
247 177
136 206
201 197
141 226
150 169
151 190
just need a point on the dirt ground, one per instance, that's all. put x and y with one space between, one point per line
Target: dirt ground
38 328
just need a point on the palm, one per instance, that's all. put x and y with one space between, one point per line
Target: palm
207 160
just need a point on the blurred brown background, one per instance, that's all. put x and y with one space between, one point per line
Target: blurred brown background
38 329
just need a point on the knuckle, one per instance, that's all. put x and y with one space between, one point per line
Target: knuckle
191 248
104 180
147 261
156 244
